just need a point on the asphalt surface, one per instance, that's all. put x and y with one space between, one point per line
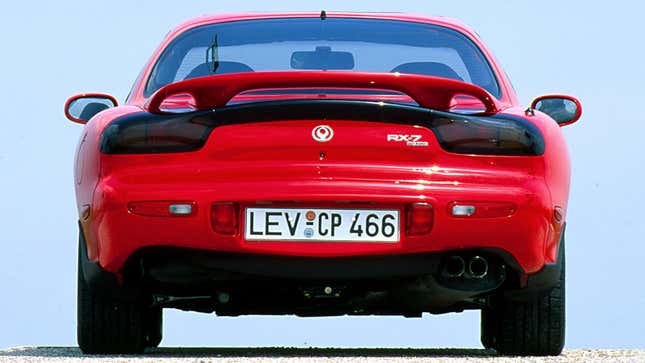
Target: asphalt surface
202 355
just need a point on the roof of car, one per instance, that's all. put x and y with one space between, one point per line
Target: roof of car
218 18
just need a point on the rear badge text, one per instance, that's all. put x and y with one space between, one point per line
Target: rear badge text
410 140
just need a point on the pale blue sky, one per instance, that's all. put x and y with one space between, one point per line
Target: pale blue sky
53 49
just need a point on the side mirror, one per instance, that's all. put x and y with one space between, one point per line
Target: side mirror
81 108
565 110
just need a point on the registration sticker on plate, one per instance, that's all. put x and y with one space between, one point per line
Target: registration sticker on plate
327 225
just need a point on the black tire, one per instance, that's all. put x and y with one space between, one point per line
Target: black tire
154 327
107 324
487 328
532 327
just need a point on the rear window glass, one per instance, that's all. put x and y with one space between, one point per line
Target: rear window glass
331 44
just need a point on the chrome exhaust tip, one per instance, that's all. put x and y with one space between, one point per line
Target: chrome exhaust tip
478 267
455 266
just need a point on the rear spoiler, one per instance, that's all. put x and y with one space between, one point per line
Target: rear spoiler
216 91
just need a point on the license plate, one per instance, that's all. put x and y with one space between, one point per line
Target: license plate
327 225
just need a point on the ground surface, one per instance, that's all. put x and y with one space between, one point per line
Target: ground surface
67 354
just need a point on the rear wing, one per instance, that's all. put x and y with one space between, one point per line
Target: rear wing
216 91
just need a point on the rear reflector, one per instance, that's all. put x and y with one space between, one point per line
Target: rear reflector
419 219
481 209
224 218
161 208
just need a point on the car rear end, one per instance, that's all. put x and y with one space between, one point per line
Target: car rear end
320 192
289 204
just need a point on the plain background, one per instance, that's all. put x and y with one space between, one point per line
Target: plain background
51 50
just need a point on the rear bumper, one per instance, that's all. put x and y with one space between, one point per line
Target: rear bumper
530 235
271 284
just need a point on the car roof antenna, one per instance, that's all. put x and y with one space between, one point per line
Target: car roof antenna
323 15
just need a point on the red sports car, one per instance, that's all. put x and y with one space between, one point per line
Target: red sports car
322 164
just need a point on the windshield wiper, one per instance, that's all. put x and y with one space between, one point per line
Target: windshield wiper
212 55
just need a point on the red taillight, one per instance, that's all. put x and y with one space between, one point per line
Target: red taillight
419 219
224 218
163 208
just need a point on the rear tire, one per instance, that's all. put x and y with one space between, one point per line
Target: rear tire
531 327
154 327
109 325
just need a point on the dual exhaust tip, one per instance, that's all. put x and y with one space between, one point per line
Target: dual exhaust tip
474 267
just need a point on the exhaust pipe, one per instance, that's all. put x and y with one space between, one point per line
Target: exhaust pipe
478 267
455 266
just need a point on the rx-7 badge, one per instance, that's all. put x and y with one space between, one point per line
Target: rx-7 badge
410 140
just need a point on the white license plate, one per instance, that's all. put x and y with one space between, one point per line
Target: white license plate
329 225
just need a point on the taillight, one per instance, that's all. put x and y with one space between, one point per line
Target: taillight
143 134
224 218
419 219
487 135
163 208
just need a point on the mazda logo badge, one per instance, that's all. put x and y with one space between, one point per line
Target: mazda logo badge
322 133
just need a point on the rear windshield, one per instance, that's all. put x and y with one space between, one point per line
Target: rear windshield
294 44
